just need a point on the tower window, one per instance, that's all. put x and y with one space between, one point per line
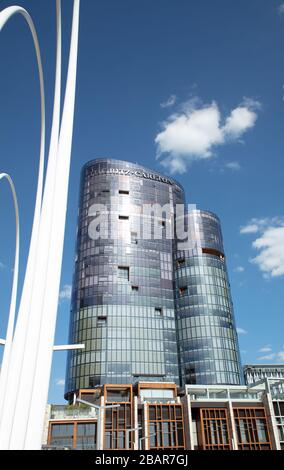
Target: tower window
181 262
123 217
183 290
123 272
158 311
211 251
122 191
135 288
134 240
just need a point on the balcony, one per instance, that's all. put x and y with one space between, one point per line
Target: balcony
224 393
61 412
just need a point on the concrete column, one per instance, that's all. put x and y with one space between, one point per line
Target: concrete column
232 425
46 425
101 418
271 421
135 424
188 426
146 422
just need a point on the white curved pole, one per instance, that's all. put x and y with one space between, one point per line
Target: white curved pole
26 332
49 299
27 389
27 351
25 426
5 15
12 311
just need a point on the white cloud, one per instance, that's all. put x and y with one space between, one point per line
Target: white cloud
265 349
281 9
269 244
240 120
280 356
169 102
239 269
234 166
177 165
60 382
251 103
257 225
65 293
270 260
196 130
249 228
241 331
268 357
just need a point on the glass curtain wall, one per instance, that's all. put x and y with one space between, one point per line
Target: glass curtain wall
207 336
123 301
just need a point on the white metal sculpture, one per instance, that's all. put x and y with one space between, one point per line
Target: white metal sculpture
23 393
12 312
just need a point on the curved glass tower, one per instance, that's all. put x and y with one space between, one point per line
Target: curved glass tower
207 337
123 306
147 306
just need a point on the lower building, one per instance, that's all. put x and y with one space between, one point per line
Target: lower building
255 372
229 418
278 409
159 416
70 427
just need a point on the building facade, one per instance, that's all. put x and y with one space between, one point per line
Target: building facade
273 375
123 300
151 303
255 372
160 416
147 304
207 336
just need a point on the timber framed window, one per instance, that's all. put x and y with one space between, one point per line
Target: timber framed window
165 426
252 429
118 421
215 429
72 434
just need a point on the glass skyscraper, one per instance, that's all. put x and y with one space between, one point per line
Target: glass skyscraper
123 300
147 307
207 336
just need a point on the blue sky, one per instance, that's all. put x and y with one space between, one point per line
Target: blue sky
189 87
